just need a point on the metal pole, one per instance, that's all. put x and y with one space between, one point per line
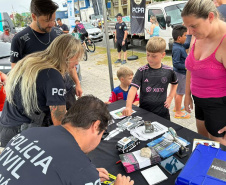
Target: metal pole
79 11
98 7
107 44
99 14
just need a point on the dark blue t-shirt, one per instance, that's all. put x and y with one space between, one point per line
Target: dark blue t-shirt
29 41
153 84
222 11
63 27
179 56
50 90
46 156
120 31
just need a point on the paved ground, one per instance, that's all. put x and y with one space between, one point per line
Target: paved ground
95 79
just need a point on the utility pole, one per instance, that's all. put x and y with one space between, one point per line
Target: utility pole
14 22
79 11
98 7
107 44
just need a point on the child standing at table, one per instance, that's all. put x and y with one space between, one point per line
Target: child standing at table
153 80
179 55
125 76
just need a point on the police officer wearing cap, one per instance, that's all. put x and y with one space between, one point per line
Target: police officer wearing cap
120 38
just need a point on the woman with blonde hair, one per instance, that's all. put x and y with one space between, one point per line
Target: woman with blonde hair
206 68
35 87
154 30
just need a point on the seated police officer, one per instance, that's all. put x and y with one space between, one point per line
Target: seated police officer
35 88
57 155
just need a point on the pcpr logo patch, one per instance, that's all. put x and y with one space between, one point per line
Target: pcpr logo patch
60 92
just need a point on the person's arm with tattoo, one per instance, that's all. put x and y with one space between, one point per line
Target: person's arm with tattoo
57 113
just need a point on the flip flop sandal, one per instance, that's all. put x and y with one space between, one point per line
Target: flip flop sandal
182 109
185 116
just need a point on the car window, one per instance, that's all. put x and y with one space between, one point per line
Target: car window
174 12
4 49
159 15
88 26
94 17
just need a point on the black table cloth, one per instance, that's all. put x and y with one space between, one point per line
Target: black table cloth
106 155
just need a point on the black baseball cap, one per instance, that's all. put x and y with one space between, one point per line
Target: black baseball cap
119 14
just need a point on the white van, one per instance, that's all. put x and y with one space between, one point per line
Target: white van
168 15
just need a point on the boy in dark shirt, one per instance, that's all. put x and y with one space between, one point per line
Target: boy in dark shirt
179 55
153 80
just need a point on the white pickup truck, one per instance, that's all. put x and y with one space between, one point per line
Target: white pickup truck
167 13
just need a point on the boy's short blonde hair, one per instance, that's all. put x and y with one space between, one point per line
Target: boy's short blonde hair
156 45
124 72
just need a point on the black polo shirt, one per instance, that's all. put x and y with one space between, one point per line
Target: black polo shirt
29 41
120 30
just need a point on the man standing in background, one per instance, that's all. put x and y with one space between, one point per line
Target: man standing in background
61 26
120 38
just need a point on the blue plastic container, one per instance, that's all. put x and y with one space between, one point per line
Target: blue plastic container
206 166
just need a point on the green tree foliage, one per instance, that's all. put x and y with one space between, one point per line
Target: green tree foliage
19 19
22 20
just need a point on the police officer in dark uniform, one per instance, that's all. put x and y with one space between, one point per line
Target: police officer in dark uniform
36 90
120 38
38 36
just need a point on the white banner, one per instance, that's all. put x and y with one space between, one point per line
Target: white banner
71 13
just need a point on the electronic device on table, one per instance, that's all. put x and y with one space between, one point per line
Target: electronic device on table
130 123
127 143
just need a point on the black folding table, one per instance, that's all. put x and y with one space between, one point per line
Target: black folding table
106 155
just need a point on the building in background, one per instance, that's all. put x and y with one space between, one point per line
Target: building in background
86 9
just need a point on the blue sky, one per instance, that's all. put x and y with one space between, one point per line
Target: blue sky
20 6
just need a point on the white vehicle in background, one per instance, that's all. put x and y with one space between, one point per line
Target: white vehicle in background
18 29
168 14
5 65
94 33
95 19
